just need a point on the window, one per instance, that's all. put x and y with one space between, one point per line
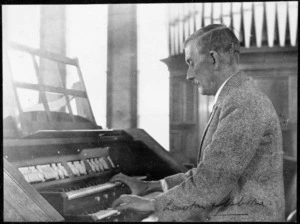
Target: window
153 75
21 24
86 39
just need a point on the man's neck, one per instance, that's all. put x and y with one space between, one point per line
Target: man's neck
225 79
226 74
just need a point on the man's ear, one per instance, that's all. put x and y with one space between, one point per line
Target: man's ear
215 59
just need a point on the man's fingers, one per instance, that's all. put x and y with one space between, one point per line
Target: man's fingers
123 207
124 201
115 177
133 203
119 177
124 198
117 202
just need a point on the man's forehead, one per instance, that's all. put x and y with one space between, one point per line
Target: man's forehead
187 52
191 49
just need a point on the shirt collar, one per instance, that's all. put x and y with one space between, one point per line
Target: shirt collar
219 90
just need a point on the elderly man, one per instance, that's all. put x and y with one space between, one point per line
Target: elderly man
239 175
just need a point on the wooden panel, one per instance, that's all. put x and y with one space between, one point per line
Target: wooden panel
293 96
278 89
22 203
274 71
184 138
271 86
290 184
175 141
19 208
176 106
190 96
180 138
191 145
293 112
183 95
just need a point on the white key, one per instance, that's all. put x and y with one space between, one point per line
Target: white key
39 168
23 170
53 165
36 177
41 176
99 164
90 190
104 163
73 168
52 174
26 177
102 214
83 167
111 162
60 174
40 172
62 168
32 169
95 164
91 165
79 166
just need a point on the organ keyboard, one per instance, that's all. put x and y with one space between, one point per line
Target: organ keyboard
73 173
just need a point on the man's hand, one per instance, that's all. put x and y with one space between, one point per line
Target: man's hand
137 204
136 186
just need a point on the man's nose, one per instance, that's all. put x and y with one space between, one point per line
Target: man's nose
190 75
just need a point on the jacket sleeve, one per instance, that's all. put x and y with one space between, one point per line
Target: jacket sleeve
178 178
233 145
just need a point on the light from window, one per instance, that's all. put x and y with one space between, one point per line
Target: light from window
21 24
86 37
153 76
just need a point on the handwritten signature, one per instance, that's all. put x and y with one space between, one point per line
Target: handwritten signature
227 203
172 207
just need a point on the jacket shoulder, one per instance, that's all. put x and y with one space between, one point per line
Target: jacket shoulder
246 96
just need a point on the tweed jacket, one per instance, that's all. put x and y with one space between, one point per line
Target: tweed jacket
240 175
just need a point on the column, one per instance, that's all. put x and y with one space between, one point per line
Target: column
122 66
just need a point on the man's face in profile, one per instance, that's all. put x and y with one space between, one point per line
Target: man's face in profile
200 70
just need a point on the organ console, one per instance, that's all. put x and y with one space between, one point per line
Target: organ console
63 173
72 173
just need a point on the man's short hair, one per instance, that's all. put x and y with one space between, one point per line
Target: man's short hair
216 37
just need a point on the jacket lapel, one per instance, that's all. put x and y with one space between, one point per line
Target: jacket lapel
233 82
204 133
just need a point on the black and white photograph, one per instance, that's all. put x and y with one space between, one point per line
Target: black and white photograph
150 112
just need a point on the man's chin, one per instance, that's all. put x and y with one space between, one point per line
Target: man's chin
204 91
